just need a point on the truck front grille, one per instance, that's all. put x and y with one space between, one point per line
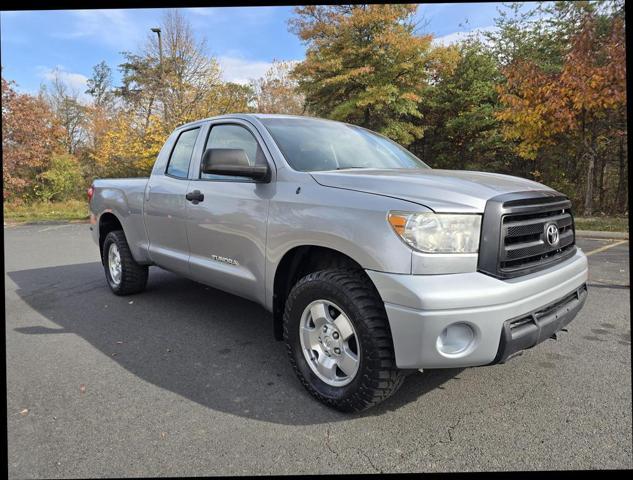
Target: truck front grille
515 239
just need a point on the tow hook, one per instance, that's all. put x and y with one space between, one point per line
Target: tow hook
555 334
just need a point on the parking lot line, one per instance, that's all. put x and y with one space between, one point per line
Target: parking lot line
606 247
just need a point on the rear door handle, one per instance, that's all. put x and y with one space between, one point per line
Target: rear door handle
195 197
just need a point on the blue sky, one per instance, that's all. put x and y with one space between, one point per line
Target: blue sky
244 39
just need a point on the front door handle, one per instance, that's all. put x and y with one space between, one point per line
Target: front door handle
195 197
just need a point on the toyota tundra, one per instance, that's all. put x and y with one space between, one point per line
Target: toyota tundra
372 263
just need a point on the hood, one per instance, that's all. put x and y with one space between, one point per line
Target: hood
448 191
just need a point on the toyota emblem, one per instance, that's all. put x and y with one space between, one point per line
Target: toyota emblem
551 234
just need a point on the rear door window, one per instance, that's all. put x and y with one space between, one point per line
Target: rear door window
180 158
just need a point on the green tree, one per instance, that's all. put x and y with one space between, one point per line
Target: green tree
461 130
100 85
62 180
364 65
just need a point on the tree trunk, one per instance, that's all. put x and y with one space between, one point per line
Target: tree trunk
618 204
149 112
603 166
590 156
589 191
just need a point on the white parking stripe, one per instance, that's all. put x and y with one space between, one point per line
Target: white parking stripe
55 227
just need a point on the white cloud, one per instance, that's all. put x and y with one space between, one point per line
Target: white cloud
76 82
457 37
113 27
239 70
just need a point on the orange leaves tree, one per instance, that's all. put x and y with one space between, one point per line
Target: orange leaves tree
579 104
364 65
276 91
30 136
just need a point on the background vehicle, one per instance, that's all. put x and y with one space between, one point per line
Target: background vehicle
371 262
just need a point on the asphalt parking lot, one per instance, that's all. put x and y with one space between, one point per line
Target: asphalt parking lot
187 380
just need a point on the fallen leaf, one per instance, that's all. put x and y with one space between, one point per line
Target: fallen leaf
24 412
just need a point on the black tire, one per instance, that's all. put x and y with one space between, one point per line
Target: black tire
377 377
133 275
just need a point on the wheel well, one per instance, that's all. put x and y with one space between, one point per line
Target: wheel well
297 263
107 223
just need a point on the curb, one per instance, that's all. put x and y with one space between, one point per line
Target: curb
45 222
602 235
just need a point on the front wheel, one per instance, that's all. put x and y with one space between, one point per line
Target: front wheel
123 274
339 342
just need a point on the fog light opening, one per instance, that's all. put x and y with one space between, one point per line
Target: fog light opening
455 339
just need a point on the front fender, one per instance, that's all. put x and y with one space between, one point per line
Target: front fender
352 223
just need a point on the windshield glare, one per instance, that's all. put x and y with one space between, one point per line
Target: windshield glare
311 145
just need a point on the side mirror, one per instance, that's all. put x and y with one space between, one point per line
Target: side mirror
234 162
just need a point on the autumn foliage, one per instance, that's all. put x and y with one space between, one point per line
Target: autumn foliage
583 103
542 96
364 66
30 137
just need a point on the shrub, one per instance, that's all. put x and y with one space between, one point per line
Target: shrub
62 181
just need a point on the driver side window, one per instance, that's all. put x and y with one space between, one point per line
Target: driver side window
234 136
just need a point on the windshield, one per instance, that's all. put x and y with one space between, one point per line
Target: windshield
311 145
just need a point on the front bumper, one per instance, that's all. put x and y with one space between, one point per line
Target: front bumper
420 307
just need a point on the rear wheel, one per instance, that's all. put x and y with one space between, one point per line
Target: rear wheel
338 339
123 274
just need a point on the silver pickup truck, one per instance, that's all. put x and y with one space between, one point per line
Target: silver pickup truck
372 264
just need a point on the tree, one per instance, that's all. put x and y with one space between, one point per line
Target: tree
100 85
71 114
364 65
461 130
61 181
30 135
227 97
276 91
129 147
178 88
580 104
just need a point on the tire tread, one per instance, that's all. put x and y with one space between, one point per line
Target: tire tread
134 276
381 378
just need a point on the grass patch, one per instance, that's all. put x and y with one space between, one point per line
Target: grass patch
45 211
605 224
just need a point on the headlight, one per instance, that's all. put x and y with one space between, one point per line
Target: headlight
438 232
